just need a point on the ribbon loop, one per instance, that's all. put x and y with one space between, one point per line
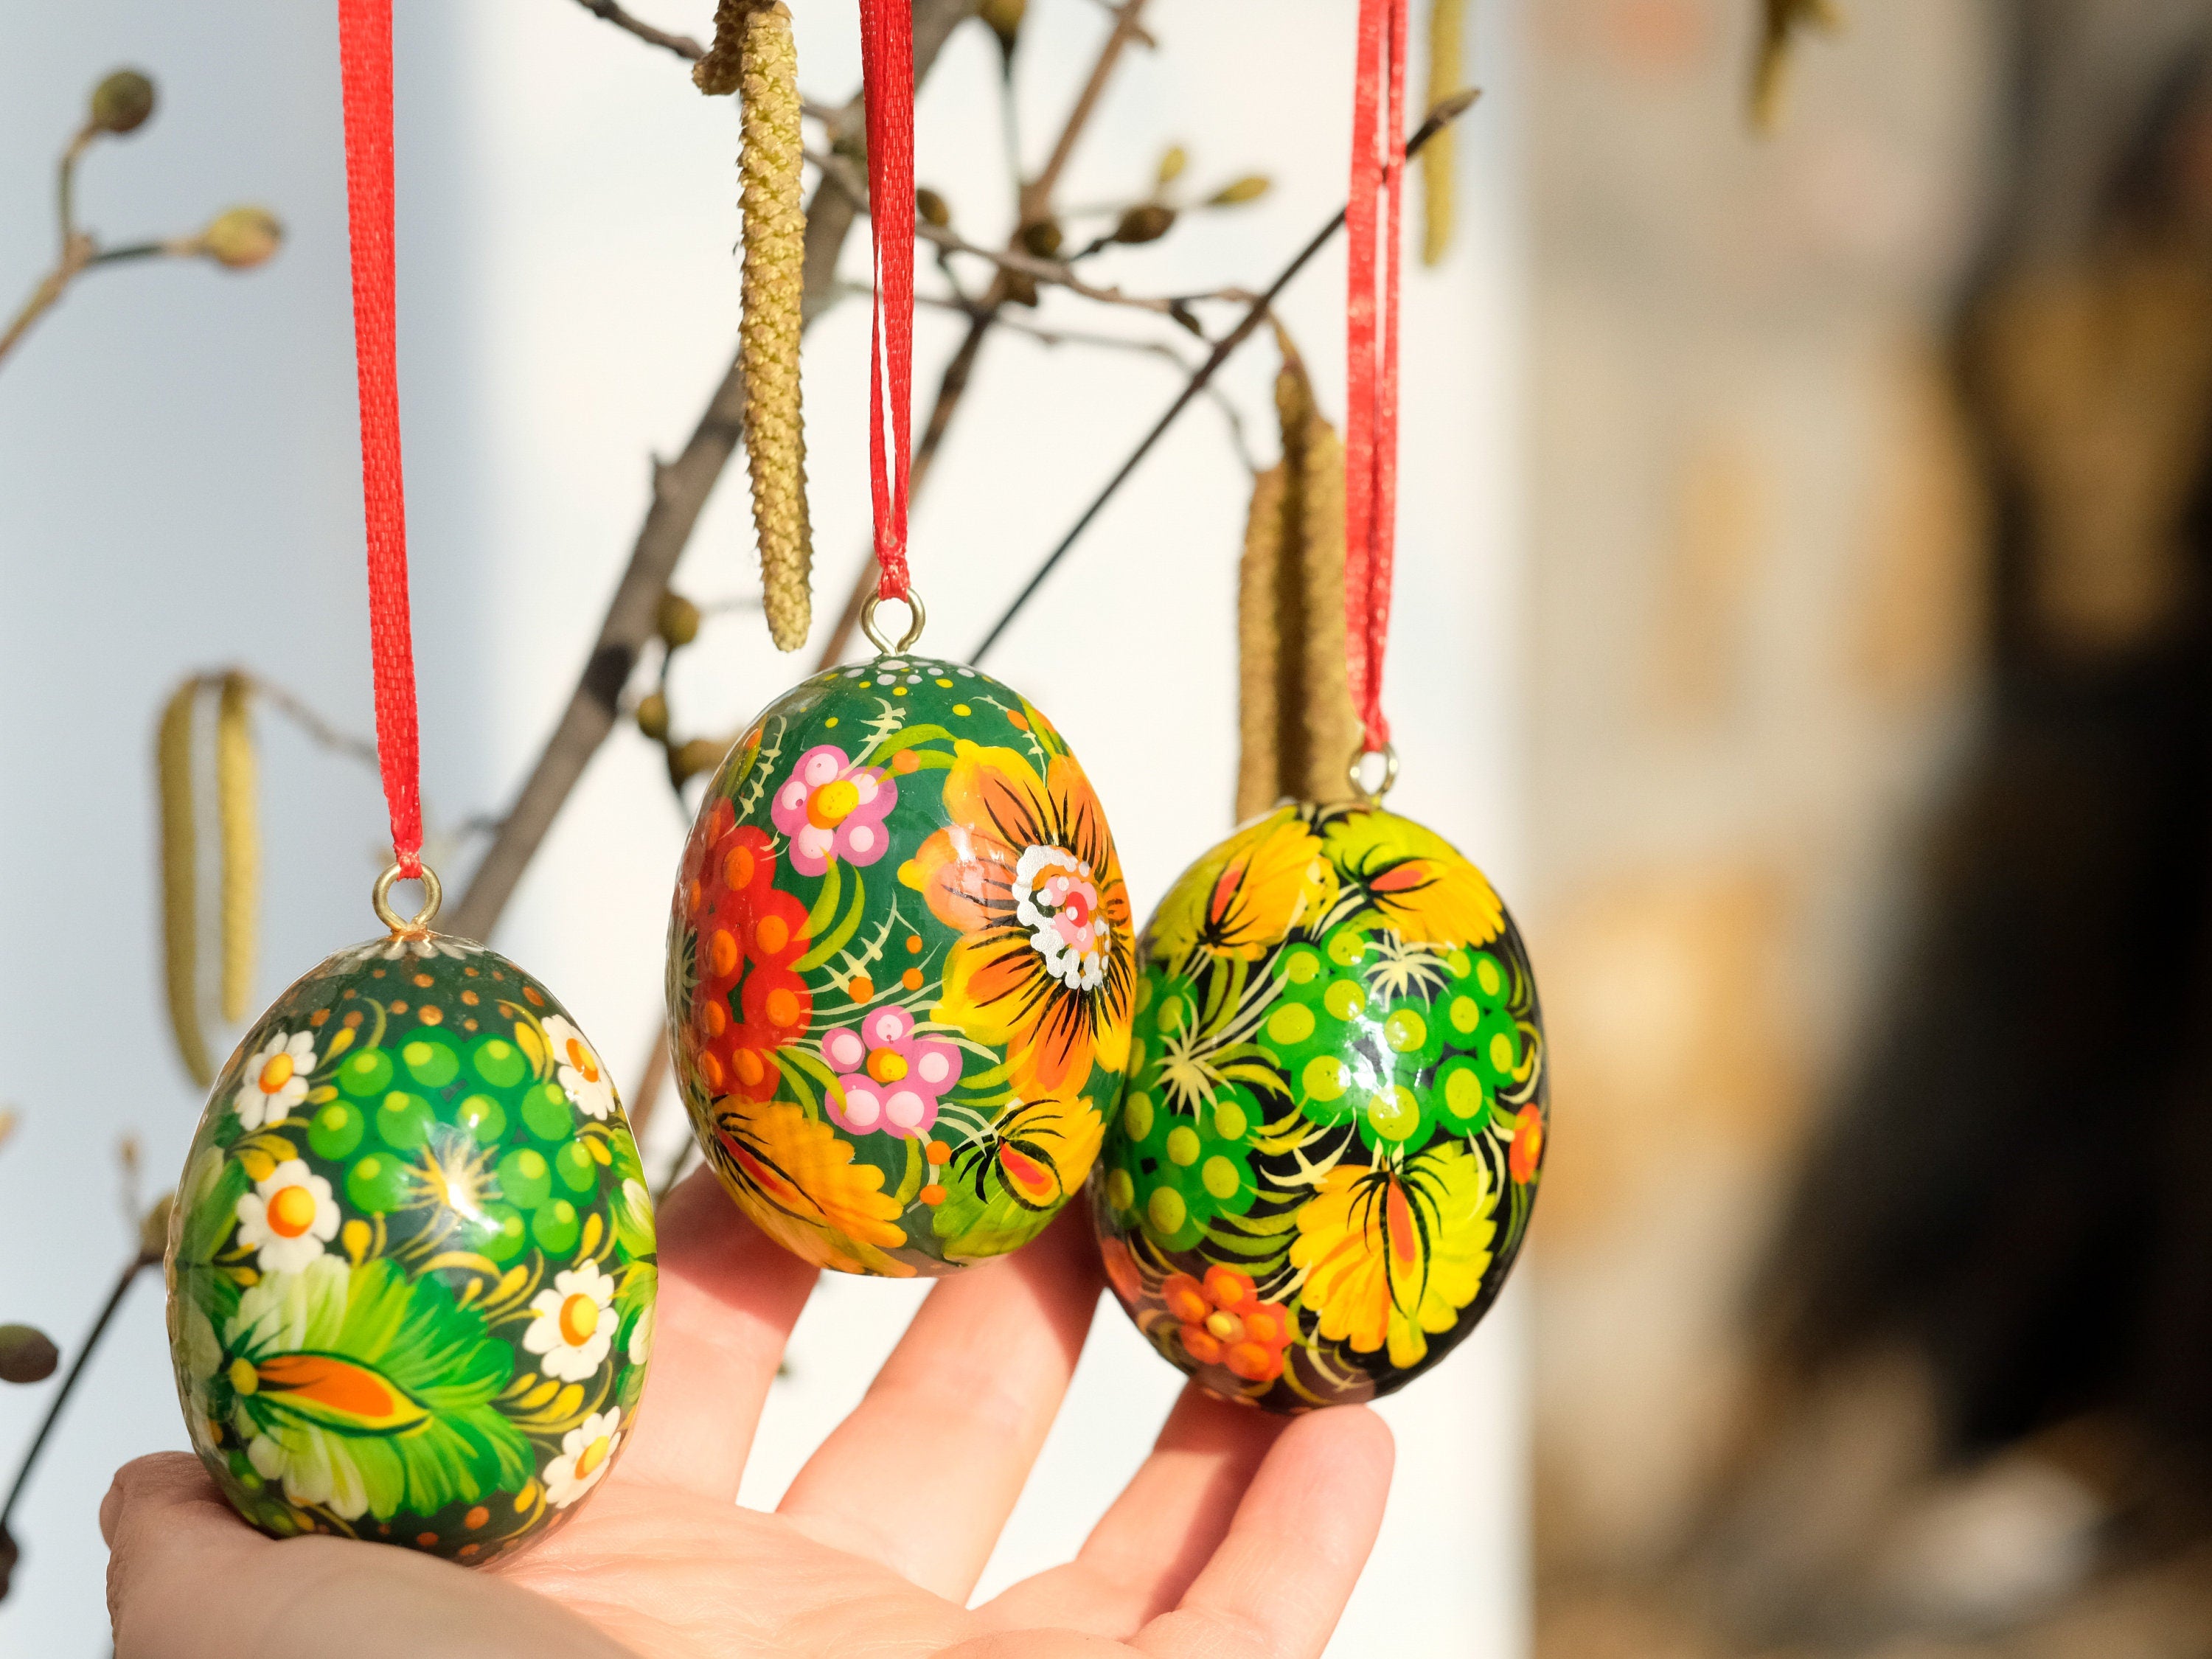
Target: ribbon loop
887 75
1371 422
365 64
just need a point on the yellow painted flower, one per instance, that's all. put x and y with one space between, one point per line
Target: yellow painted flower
1419 884
796 1178
1390 1259
1027 874
1244 897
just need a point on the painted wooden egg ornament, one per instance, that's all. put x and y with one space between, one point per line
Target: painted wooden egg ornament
1325 1158
900 969
411 1267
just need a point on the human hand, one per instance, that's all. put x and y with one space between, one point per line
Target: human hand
1240 1537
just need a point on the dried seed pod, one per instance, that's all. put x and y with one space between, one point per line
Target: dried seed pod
1447 44
243 238
775 282
181 880
238 830
1148 222
1297 722
720 71
1259 645
121 102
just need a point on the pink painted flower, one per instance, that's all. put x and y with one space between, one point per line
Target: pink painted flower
888 1078
833 809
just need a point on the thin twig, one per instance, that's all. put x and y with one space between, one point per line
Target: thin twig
691 51
680 488
318 729
1033 204
1446 111
69 1384
1077 337
682 44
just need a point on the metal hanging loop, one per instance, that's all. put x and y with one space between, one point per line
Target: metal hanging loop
380 898
916 617
1356 772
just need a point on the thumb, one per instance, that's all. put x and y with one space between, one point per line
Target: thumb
171 1539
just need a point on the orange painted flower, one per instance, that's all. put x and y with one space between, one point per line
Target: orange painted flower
747 1001
796 1177
1223 1322
1026 872
1391 1257
1528 1150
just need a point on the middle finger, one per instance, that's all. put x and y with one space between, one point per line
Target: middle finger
924 1473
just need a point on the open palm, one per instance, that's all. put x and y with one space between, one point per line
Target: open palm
1239 1538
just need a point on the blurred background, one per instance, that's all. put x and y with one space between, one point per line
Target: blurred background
179 491
1803 594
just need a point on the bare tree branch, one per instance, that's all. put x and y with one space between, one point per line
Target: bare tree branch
680 488
682 44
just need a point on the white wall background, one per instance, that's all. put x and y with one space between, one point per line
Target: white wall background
177 490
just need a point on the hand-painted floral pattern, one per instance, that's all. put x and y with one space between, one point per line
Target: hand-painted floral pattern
888 1078
275 1079
398 1295
288 1219
576 1068
900 969
575 1323
1325 1159
1026 873
586 1455
830 808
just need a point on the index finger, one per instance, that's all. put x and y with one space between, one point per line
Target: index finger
727 1300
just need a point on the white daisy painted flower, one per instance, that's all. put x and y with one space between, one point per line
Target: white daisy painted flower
575 1323
640 1338
584 1455
289 1218
580 1071
276 1080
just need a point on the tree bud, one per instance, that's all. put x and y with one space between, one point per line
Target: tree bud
653 715
1148 222
932 208
243 238
1250 188
680 621
686 761
1004 18
26 1354
121 102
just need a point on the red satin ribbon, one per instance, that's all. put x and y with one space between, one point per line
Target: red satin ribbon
1370 422
365 61
887 74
